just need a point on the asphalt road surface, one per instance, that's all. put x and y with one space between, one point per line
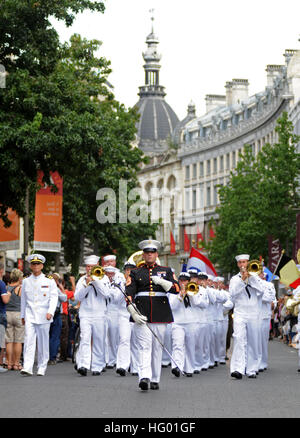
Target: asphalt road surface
63 393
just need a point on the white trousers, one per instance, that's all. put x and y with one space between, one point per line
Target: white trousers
112 334
223 338
245 353
92 343
36 335
212 342
123 352
149 350
264 342
168 344
183 346
134 351
202 356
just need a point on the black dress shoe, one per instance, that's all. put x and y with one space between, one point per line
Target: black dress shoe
110 367
196 372
144 384
134 374
261 370
188 374
252 376
176 372
154 385
211 367
75 367
96 373
216 364
203 369
82 371
121 371
236 375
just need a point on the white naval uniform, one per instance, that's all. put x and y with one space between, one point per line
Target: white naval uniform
246 324
226 307
202 331
183 332
221 298
39 297
211 317
123 358
268 298
92 315
112 324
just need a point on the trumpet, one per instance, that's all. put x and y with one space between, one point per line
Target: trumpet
97 272
254 268
192 288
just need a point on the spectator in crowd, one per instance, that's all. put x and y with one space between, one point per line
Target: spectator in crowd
4 299
14 335
55 328
64 336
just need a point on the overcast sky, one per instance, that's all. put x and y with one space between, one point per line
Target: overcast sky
203 44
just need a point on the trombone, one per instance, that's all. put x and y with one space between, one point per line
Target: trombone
254 268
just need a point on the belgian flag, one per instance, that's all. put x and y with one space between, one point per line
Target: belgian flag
288 272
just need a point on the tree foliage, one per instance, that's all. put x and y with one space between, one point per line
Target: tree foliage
260 199
57 113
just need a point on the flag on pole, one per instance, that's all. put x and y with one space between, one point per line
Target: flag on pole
211 234
186 243
200 240
202 263
172 244
288 272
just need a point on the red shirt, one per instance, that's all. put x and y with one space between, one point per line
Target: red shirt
65 306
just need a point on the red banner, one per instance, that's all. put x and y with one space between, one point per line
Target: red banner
186 242
172 244
48 215
10 237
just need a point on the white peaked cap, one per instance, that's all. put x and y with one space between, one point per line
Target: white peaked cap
91 260
149 244
211 277
109 257
36 258
242 257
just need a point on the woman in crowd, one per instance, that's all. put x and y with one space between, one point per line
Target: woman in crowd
14 335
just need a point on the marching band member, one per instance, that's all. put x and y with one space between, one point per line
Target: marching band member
148 286
202 335
133 343
224 321
221 298
245 291
112 315
92 294
38 303
267 298
183 328
211 313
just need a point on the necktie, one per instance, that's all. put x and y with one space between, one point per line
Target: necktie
248 292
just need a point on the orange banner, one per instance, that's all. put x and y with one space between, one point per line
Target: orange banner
48 215
10 237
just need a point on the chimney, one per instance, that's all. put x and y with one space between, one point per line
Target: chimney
272 72
213 101
239 90
228 87
288 54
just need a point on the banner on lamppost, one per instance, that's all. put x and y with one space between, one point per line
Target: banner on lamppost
10 237
274 253
48 215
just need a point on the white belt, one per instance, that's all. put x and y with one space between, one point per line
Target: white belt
151 294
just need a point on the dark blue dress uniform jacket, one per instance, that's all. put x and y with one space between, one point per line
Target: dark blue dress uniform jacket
157 309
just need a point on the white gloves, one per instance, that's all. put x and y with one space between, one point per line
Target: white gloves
136 316
165 284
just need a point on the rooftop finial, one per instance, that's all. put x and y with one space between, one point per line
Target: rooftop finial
152 16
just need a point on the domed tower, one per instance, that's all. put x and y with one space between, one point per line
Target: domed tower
157 119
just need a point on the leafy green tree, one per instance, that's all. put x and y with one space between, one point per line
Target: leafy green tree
259 200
